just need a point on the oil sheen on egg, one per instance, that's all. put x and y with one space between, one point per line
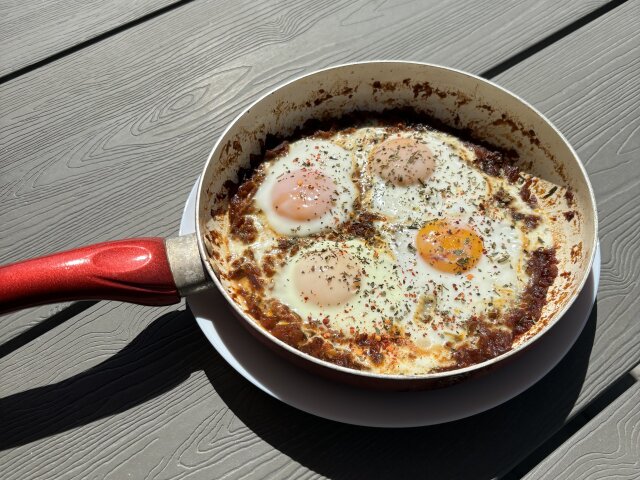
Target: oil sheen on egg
423 173
455 269
347 285
307 190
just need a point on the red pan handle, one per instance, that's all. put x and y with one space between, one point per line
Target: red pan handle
135 271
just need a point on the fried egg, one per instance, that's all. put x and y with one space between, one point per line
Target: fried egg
347 285
458 269
307 190
411 174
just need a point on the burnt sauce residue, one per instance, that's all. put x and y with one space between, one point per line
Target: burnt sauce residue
285 325
543 269
240 205
493 336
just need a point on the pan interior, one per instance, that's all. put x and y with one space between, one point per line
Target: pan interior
486 111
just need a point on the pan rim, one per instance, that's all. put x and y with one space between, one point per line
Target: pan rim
395 377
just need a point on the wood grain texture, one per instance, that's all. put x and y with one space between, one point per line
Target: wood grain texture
32 31
593 99
608 447
163 405
26 319
107 142
126 390
147 410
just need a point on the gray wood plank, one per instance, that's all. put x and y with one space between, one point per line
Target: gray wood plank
132 390
593 98
28 318
33 31
141 110
150 408
607 447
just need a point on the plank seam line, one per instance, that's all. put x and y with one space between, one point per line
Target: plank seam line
550 39
44 326
91 41
584 416
490 73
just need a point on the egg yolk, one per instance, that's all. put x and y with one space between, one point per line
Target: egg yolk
403 161
327 278
303 195
448 247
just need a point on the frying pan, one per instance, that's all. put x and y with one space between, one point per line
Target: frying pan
155 271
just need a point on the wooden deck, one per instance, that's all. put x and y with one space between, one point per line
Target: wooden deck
108 112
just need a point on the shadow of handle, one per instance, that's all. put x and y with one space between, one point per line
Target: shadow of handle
161 357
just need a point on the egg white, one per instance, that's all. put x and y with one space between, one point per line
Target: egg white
330 159
379 297
444 302
455 186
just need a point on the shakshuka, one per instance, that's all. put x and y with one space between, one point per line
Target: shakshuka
390 247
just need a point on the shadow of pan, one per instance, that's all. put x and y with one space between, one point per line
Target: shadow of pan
172 347
161 357
482 446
